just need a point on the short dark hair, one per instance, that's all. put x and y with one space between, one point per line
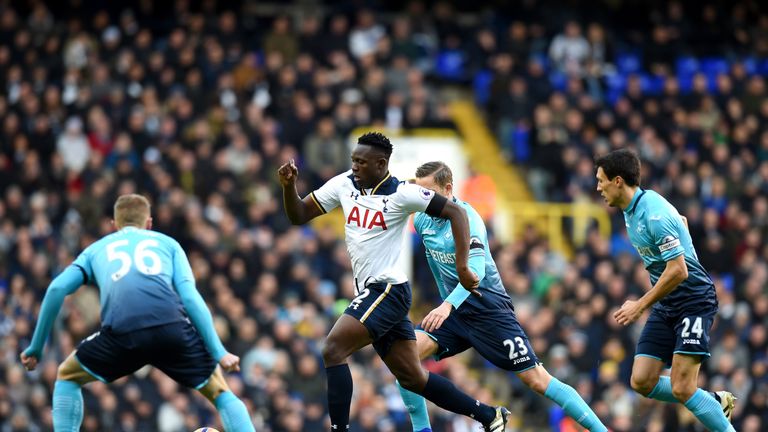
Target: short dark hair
623 163
378 140
441 172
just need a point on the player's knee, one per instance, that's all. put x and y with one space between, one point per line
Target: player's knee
63 373
332 353
412 379
642 384
537 380
215 386
68 370
212 391
425 345
683 389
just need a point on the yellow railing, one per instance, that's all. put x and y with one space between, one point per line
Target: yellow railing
517 206
549 218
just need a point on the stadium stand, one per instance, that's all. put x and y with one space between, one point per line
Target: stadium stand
196 103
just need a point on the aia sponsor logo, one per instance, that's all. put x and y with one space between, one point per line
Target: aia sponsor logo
366 219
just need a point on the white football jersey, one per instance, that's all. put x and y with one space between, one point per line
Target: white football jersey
375 222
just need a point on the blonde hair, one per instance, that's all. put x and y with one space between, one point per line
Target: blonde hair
442 174
131 209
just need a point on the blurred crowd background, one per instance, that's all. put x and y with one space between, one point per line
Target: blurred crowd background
196 103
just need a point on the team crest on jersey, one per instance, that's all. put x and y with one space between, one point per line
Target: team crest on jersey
644 251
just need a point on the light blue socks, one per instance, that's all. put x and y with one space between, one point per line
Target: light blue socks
709 412
702 404
573 405
417 409
663 390
67 406
233 413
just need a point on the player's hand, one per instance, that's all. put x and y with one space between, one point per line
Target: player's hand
288 173
469 281
29 361
629 312
435 319
230 363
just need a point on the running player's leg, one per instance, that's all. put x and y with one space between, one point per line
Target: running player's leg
103 356
415 403
660 340
685 373
178 350
347 336
234 414
653 353
691 332
376 308
399 351
425 345
647 379
68 396
502 341
540 381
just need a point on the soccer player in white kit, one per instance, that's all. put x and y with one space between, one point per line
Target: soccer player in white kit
376 209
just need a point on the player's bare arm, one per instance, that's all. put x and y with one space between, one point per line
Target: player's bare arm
460 230
63 285
299 211
674 274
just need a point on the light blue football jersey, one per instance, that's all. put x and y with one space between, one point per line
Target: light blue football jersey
136 271
657 231
438 240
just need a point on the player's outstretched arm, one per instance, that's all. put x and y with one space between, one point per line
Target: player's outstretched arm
201 318
434 319
184 283
64 284
675 272
299 211
460 230
478 238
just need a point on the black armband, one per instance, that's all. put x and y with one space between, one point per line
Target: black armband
436 206
85 275
475 243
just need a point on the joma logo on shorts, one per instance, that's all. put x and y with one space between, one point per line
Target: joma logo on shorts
691 341
521 359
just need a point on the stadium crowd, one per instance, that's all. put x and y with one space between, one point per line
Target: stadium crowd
195 104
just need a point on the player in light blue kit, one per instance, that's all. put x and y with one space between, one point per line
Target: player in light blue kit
151 313
486 322
682 301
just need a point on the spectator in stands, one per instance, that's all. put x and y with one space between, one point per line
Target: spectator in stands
570 50
183 107
72 146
